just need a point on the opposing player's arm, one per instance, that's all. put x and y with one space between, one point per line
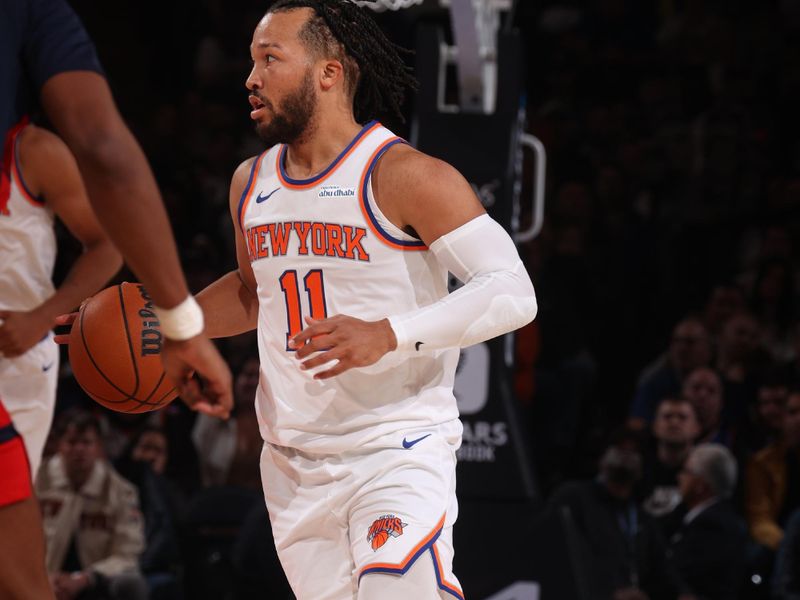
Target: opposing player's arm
430 199
49 171
126 200
121 186
230 303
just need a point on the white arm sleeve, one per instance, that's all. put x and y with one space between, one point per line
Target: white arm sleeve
497 296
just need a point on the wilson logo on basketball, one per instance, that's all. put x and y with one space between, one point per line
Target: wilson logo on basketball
151 331
383 527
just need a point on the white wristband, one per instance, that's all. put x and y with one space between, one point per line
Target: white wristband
182 322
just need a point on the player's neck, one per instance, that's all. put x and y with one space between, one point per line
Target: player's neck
329 136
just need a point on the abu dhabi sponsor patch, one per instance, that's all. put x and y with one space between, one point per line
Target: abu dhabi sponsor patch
336 191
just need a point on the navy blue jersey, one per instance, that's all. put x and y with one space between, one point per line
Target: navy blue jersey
38 39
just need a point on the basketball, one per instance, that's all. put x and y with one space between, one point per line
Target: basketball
115 351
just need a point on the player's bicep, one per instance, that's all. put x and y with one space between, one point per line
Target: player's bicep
426 195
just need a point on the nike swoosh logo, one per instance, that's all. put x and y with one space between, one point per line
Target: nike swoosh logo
46 368
408 444
261 198
417 345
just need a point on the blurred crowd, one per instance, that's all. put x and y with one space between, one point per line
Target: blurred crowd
662 378
660 382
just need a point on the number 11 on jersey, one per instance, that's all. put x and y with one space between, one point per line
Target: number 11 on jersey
315 289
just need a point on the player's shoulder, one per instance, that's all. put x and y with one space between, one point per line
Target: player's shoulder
42 152
411 176
39 139
242 173
241 177
404 164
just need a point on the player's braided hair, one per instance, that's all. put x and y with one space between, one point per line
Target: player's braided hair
375 75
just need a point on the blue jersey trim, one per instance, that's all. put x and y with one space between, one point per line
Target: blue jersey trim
368 208
8 433
407 566
20 177
329 168
246 190
437 568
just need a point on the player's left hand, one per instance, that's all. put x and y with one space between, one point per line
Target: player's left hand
350 341
21 331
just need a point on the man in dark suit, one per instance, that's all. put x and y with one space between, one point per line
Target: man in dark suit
708 550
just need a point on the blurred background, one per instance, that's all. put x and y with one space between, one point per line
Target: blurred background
665 268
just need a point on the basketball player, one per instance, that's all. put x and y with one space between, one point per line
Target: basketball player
344 237
44 183
45 54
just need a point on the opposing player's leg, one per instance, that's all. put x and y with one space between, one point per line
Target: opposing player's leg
402 521
22 551
28 389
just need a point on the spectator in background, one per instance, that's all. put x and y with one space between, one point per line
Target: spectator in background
790 369
765 423
774 303
703 389
674 430
215 516
772 486
689 348
143 464
229 450
741 362
92 522
150 446
725 300
786 575
624 555
709 548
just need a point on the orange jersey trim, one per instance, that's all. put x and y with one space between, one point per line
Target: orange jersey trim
428 543
445 585
369 217
415 551
248 190
18 178
303 184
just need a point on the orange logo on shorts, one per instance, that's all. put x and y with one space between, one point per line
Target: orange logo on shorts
382 528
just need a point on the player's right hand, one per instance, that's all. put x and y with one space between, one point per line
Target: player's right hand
198 355
65 321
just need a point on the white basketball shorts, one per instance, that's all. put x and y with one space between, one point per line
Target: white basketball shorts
28 389
337 519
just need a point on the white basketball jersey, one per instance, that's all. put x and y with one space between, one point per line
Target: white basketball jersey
27 240
321 247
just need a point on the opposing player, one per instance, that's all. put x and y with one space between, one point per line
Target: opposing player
344 237
46 53
44 183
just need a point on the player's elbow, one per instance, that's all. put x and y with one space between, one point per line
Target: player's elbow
525 305
529 309
106 147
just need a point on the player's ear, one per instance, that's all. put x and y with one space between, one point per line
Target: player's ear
332 72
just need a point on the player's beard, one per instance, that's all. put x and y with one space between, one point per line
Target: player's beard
293 117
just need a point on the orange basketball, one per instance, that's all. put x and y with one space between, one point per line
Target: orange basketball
115 351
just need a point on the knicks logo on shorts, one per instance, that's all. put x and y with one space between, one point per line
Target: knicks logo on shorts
383 527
